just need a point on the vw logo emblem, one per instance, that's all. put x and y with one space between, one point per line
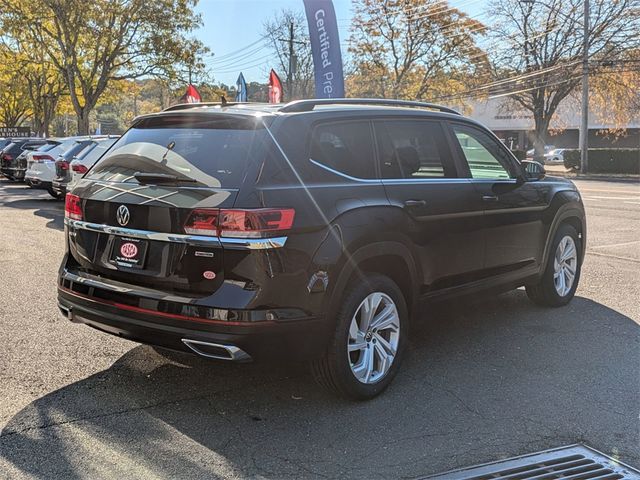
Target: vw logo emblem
122 215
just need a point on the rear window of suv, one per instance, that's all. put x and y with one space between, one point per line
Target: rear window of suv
213 152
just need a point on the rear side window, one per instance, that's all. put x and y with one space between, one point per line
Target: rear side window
346 147
413 149
213 152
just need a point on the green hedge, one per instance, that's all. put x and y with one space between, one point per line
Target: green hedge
606 160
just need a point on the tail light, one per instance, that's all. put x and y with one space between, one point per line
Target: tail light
79 168
72 207
41 158
8 157
62 165
256 223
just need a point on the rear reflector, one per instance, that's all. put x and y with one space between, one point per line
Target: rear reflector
239 223
72 207
79 168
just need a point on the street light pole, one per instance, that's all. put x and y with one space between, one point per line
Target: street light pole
584 125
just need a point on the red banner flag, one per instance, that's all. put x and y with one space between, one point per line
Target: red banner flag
191 95
275 88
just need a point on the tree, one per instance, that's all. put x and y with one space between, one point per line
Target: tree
45 86
15 107
547 48
411 48
615 93
95 43
287 33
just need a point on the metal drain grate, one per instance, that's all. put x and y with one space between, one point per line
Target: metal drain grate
575 462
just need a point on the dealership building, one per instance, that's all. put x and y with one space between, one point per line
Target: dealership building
515 126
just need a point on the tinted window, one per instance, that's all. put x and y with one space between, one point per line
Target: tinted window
484 155
346 147
412 149
214 152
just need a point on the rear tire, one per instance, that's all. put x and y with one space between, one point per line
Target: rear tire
369 341
55 194
559 282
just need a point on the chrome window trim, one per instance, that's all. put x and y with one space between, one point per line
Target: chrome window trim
392 180
198 240
344 175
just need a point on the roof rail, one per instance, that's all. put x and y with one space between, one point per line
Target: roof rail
186 106
308 105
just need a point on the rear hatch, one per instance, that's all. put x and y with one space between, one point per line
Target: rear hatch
156 191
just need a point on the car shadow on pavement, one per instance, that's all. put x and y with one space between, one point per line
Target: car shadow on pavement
19 195
482 380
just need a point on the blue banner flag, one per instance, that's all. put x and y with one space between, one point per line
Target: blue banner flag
241 89
325 46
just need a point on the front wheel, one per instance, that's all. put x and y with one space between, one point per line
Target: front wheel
369 341
560 278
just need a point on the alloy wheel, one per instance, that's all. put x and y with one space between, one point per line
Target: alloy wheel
565 264
374 333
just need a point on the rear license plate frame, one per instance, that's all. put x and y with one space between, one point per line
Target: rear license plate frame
137 261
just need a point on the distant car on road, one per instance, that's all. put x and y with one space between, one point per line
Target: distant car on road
554 156
547 149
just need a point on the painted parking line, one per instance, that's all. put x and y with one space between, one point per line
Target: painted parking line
616 244
608 190
617 257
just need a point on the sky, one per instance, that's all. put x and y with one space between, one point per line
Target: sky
233 25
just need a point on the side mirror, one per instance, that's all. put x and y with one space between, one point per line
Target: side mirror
533 170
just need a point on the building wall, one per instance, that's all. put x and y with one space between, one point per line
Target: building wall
514 126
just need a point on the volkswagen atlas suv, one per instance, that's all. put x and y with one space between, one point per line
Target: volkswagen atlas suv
312 231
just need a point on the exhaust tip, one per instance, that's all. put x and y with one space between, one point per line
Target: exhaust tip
217 350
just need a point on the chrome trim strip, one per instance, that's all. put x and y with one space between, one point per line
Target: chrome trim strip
198 240
144 234
344 175
252 243
235 354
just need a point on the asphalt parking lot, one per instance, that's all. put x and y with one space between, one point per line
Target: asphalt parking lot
483 380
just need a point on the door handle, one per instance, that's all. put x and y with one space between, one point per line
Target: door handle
489 198
415 203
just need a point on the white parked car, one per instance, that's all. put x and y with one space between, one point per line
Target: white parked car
547 150
554 156
41 169
81 164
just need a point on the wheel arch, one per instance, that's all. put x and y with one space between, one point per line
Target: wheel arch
571 214
390 258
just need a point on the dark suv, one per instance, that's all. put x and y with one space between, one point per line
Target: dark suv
312 230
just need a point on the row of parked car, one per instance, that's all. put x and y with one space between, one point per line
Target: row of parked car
52 164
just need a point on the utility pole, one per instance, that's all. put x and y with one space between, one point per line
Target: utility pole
293 60
584 125
290 72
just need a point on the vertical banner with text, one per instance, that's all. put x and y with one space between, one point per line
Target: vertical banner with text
325 46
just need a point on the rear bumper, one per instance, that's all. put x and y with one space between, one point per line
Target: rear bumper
298 340
59 187
37 183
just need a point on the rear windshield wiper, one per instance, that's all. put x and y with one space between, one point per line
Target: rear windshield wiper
161 178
